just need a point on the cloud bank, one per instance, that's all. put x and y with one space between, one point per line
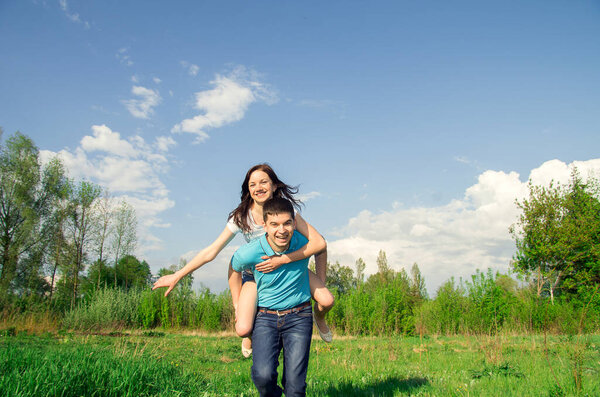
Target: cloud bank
226 103
130 169
454 239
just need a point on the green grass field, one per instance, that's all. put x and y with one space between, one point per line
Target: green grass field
157 364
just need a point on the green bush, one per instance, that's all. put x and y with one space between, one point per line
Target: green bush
107 308
488 303
445 315
149 307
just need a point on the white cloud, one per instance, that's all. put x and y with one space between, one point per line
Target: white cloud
125 175
454 239
129 168
156 80
308 196
148 210
226 103
104 139
143 107
123 57
73 16
164 143
77 163
191 68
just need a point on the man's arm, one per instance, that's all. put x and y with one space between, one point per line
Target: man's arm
315 244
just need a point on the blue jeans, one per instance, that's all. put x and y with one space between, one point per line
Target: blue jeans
271 333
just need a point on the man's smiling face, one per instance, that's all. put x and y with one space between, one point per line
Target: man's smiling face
279 228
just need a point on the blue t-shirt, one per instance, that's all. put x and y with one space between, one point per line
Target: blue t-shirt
284 287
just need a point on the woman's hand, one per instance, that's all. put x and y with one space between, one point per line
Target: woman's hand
271 263
170 280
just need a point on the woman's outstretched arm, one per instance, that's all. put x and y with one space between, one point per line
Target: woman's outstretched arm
206 255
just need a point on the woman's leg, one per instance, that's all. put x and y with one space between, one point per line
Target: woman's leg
244 296
246 309
324 300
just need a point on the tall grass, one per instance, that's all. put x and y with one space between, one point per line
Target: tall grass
116 309
108 308
481 306
173 364
33 322
45 367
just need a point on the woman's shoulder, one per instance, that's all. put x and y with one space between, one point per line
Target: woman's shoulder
232 226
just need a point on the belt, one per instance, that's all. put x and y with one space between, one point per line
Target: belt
286 311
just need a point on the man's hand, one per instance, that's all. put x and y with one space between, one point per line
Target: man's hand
271 263
170 280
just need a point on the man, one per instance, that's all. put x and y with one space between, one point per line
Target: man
284 317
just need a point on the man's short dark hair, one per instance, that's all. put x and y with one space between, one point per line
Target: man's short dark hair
277 205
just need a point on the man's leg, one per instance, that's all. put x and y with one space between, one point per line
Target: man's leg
296 333
266 345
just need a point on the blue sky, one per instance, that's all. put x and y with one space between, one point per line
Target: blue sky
409 126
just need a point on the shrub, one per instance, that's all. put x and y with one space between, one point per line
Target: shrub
107 308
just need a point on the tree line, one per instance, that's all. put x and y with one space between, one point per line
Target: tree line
66 245
60 238
388 302
552 286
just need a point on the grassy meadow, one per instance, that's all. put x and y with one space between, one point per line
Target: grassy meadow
154 363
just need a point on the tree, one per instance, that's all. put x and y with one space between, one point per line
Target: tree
582 226
19 178
80 224
57 242
103 213
131 272
417 285
444 313
28 195
385 274
339 277
360 271
53 193
124 237
557 236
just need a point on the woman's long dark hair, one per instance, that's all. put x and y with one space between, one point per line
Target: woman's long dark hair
240 214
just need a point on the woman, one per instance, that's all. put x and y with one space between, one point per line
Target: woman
260 184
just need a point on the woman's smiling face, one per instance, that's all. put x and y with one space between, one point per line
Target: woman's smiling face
260 186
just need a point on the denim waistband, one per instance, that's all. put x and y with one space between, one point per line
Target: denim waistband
285 311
